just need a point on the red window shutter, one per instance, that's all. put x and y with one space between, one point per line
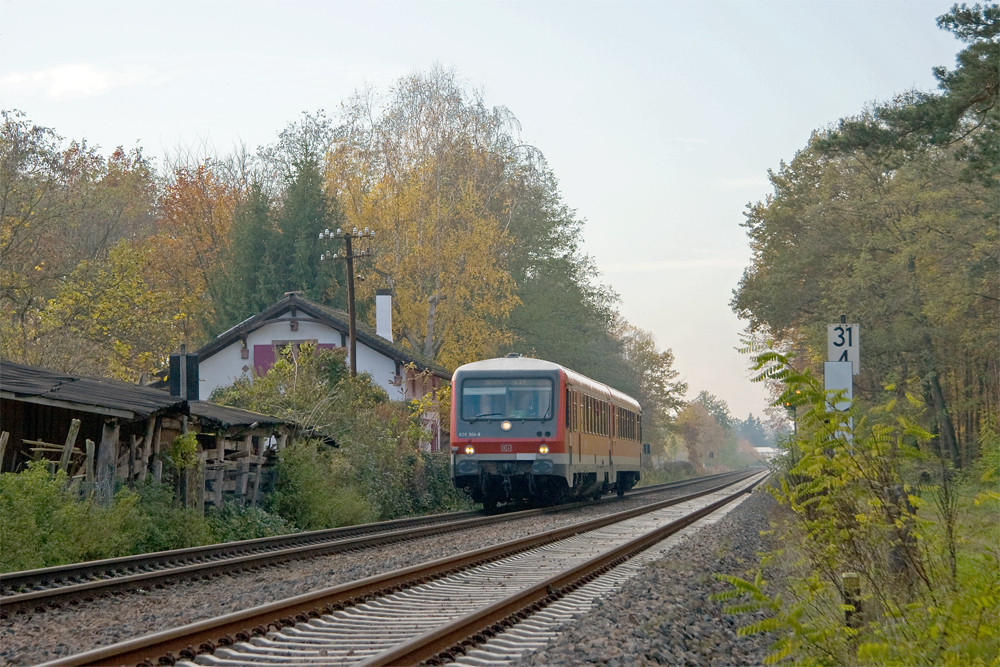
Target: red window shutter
263 358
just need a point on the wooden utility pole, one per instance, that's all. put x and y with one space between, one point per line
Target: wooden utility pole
348 255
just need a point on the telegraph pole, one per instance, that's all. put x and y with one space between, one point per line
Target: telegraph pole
348 255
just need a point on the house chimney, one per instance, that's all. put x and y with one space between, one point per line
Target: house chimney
183 375
383 314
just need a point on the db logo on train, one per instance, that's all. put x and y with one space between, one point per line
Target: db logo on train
506 447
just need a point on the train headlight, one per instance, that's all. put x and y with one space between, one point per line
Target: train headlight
505 426
469 449
543 449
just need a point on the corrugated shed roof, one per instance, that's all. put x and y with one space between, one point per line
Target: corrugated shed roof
223 416
40 385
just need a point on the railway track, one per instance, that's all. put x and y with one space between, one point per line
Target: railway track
435 609
79 583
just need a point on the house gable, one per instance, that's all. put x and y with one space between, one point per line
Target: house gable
252 346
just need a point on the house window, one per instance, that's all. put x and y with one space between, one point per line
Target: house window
264 356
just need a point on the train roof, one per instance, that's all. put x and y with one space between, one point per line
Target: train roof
528 364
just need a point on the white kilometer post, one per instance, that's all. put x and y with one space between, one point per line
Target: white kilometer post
843 345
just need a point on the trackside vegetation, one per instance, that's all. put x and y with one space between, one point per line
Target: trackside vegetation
887 543
885 555
46 520
368 467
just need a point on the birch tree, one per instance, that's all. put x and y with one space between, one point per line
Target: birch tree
426 170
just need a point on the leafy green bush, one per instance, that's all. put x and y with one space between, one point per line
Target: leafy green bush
924 550
165 524
233 522
45 522
376 469
183 451
315 489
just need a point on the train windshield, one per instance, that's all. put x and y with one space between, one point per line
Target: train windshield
506 398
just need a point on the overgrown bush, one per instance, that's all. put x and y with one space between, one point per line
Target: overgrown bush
867 500
233 522
375 470
670 471
166 524
44 521
316 489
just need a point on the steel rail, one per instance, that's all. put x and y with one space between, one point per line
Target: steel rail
188 641
444 643
111 567
94 579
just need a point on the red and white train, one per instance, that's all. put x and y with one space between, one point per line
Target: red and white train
527 429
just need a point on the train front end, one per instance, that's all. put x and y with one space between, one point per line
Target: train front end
508 430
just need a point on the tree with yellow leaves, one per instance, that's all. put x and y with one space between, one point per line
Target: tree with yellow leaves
427 172
195 218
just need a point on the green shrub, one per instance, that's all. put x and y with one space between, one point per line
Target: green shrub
165 524
671 471
33 515
315 489
232 522
376 470
183 451
45 522
924 550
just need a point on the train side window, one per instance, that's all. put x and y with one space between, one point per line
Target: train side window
576 411
569 408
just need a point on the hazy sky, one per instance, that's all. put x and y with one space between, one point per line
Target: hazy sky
659 118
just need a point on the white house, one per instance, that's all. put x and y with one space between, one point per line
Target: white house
253 345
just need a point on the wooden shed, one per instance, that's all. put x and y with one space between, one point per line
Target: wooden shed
126 427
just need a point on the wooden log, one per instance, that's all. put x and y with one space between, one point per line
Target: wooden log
220 472
90 461
45 447
147 446
4 436
74 429
157 462
257 460
106 461
41 444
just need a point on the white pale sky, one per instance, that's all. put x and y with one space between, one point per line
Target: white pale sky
659 118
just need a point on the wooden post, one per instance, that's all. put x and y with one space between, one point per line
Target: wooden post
244 474
133 447
3 447
157 462
107 460
851 583
201 477
147 447
90 461
220 472
259 463
74 429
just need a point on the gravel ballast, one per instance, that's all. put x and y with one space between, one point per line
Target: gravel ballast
665 616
